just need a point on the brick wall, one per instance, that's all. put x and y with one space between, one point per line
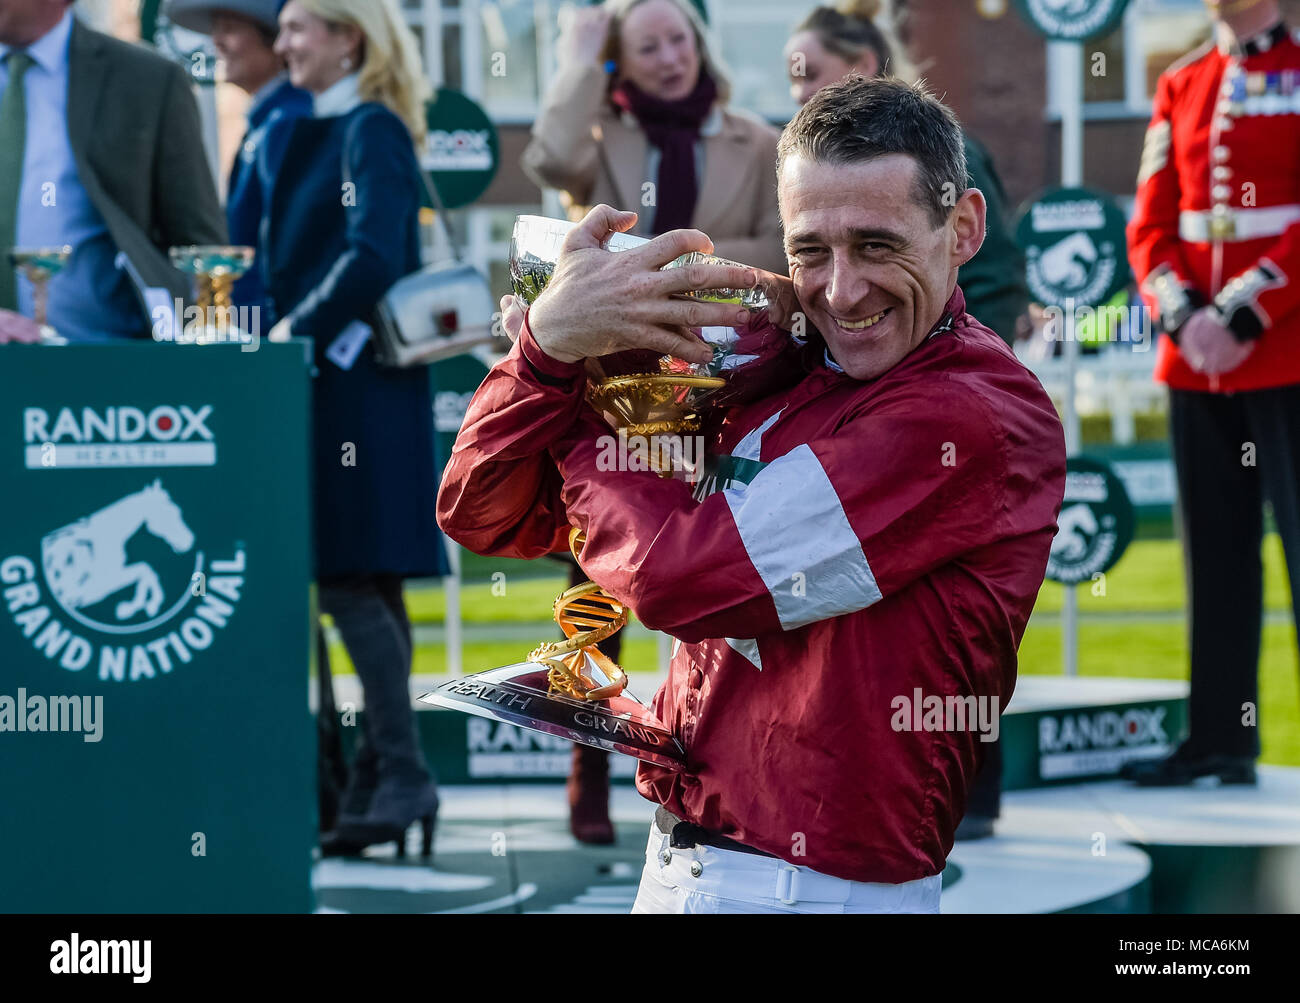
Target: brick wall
992 73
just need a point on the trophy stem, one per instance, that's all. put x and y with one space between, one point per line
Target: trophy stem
221 287
205 285
40 299
584 606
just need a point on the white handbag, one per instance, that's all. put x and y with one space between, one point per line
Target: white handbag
442 310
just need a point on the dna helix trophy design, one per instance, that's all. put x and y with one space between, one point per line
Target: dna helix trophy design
215 269
570 688
39 265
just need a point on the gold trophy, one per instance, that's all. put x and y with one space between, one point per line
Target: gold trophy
570 688
215 269
39 265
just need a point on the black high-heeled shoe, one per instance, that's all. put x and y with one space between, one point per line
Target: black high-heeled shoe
349 840
426 838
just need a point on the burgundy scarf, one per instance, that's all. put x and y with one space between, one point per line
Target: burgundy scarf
673 127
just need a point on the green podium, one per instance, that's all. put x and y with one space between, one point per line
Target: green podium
157 753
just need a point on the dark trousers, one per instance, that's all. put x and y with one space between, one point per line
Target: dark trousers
370 614
985 797
1232 452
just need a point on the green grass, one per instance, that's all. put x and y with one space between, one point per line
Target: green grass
1159 651
1147 580
512 600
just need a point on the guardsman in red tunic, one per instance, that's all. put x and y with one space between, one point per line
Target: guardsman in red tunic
1215 243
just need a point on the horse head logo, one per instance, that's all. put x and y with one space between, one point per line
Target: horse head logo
1076 526
85 561
1067 262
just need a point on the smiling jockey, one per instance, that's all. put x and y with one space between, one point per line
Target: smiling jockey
875 524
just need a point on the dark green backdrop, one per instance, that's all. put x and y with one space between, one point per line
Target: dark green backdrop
220 745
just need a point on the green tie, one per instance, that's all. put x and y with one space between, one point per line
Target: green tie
13 137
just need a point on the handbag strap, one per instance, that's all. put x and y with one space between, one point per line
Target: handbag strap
440 213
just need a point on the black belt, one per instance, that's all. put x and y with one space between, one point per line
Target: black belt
687 835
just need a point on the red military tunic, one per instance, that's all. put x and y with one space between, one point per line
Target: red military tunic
854 543
1217 216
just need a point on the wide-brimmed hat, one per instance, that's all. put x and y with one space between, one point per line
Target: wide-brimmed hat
196 15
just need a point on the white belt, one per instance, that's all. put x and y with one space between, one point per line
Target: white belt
1225 224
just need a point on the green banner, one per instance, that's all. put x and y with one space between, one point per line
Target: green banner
1095 525
1073 20
462 151
1075 253
453 381
157 747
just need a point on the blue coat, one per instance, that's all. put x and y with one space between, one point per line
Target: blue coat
244 191
327 254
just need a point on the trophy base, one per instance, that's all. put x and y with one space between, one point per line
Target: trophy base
517 694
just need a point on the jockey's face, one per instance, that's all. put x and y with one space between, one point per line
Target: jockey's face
870 268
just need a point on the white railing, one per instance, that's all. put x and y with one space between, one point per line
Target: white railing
1116 381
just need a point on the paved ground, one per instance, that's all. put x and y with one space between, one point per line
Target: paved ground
507 848
497 849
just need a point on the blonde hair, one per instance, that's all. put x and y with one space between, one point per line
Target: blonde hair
852 27
709 59
390 73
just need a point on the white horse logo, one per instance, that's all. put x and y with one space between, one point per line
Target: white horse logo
1075 527
1067 262
85 561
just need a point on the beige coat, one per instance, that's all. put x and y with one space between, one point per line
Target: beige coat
593 154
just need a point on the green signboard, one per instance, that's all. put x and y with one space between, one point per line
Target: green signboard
1083 742
1095 526
1073 20
454 381
462 150
1075 254
156 746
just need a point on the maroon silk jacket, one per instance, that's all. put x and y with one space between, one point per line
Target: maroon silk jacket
853 543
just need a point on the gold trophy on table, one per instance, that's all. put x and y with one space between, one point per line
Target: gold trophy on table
39 265
570 688
215 269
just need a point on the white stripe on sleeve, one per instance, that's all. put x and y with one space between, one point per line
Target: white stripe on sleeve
799 539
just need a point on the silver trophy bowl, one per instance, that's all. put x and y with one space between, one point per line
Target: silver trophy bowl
535 249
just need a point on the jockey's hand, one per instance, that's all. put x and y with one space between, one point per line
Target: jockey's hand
512 316
782 305
600 302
